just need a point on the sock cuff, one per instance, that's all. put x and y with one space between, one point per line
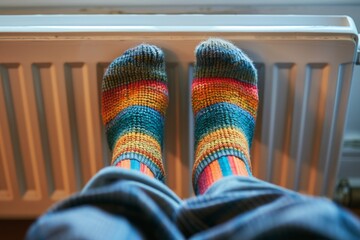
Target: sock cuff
157 170
202 164
134 164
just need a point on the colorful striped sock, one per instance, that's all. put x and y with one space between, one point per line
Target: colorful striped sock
224 101
134 102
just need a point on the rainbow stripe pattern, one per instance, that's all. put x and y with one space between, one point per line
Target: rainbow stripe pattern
134 103
225 102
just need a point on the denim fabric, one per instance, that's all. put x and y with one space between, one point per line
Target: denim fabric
125 204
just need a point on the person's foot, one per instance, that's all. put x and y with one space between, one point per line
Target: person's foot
134 102
224 101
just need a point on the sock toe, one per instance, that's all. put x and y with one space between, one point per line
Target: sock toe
220 58
143 62
145 54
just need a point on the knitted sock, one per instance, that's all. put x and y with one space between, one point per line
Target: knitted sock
134 102
224 101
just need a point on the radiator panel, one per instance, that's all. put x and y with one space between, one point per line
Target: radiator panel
52 139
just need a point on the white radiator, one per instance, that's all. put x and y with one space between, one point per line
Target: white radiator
51 135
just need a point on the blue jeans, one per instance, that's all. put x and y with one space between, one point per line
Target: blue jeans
125 204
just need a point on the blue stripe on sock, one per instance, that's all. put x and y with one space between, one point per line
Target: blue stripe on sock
222 115
225 166
134 164
140 119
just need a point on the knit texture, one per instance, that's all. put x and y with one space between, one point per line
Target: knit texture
134 102
224 101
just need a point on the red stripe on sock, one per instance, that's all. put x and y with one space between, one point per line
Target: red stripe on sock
153 84
234 82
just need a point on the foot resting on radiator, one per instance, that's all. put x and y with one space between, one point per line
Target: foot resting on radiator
134 102
225 102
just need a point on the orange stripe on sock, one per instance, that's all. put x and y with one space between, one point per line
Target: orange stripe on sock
208 179
152 94
124 164
216 170
229 90
147 171
230 138
243 170
239 166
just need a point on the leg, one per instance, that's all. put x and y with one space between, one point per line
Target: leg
115 204
239 207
